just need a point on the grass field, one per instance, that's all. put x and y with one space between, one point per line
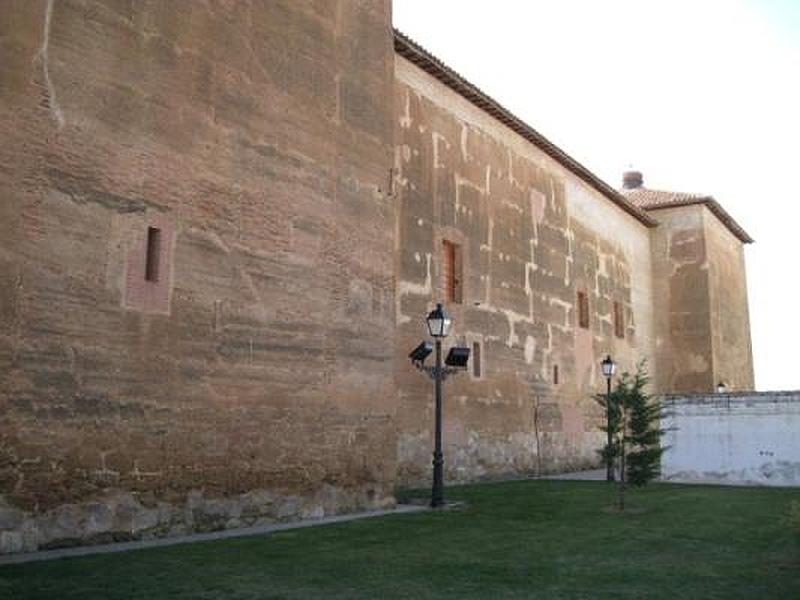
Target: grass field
528 539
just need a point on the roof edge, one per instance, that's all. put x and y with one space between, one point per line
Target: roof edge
716 208
410 50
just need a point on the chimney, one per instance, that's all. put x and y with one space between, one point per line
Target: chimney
632 180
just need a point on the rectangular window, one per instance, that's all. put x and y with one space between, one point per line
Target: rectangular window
555 374
619 320
153 254
583 310
476 360
451 272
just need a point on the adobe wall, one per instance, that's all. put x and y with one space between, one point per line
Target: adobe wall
701 313
682 312
531 234
730 317
744 438
253 381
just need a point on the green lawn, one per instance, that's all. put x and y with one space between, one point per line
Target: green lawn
528 539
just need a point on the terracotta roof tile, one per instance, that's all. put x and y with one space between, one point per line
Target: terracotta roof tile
648 199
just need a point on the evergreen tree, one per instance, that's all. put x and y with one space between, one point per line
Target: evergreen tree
634 418
643 432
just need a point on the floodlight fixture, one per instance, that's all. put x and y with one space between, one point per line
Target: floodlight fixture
457 357
421 352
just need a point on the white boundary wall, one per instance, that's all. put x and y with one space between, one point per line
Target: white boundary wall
741 438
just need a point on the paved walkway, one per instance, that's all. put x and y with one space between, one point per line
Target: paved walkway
593 475
12 559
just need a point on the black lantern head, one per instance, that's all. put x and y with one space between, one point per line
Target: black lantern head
457 357
438 322
609 367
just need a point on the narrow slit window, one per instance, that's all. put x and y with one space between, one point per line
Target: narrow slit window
477 367
451 272
583 310
619 320
555 374
152 265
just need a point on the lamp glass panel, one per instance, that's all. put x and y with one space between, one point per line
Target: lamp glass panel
438 322
435 326
609 367
446 322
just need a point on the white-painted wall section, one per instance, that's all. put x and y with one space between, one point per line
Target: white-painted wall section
737 438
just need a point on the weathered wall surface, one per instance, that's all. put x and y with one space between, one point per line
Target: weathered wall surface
734 438
729 313
531 235
682 312
253 380
700 311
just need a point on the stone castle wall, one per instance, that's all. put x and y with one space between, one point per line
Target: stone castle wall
730 315
532 235
682 305
253 380
701 314
292 181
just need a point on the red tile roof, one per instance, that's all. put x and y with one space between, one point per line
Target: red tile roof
410 50
656 199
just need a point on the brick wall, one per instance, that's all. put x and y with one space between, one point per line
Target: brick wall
252 381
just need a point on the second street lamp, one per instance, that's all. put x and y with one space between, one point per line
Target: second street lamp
609 367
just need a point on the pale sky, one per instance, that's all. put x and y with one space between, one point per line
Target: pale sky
701 96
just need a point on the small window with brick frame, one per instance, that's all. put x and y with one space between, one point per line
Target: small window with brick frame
619 320
451 272
476 358
583 310
153 254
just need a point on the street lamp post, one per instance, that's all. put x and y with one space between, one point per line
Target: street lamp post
609 367
438 326
438 322
437 493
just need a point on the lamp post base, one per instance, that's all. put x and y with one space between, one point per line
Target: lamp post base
437 495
